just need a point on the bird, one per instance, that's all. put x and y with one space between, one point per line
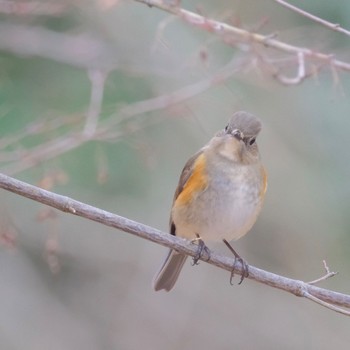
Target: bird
220 192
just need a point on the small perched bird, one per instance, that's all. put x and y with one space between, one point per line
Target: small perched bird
220 192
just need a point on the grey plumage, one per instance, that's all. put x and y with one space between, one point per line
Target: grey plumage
169 272
247 123
244 127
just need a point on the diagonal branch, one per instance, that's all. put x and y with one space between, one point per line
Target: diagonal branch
324 297
333 26
225 30
94 129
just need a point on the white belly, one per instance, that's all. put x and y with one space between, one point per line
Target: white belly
227 209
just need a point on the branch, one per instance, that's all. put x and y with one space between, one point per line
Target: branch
43 152
32 8
98 80
328 274
225 30
175 97
333 26
301 74
106 129
330 299
77 50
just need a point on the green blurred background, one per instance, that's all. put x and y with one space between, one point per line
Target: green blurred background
67 283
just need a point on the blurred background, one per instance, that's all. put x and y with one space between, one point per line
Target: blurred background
104 101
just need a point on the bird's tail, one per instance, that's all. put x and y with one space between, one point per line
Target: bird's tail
169 272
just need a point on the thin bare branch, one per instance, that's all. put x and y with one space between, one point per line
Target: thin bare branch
106 129
225 30
45 152
69 205
300 76
170 99
98 79
78 50
327 305
34 128
333 26
38 127
32 8
328 274
159 40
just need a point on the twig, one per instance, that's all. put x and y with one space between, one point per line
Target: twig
336 80
333 26
45 152
328 274
301 74
327 305
77 50
32 8
38 127
98 79
321 296
224 30
159 33
74 138
169 99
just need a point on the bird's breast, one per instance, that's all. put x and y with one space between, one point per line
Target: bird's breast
226 208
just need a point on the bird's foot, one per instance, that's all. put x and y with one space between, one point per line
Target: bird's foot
244 265
202 248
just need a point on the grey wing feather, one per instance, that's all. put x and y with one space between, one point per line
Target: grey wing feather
185 175
171 268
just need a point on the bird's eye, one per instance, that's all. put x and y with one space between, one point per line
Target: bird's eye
252 141
226 127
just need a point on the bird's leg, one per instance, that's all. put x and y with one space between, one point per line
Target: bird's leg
201 247
245 267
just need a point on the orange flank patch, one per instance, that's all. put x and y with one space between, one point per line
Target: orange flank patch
196 182
264 184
